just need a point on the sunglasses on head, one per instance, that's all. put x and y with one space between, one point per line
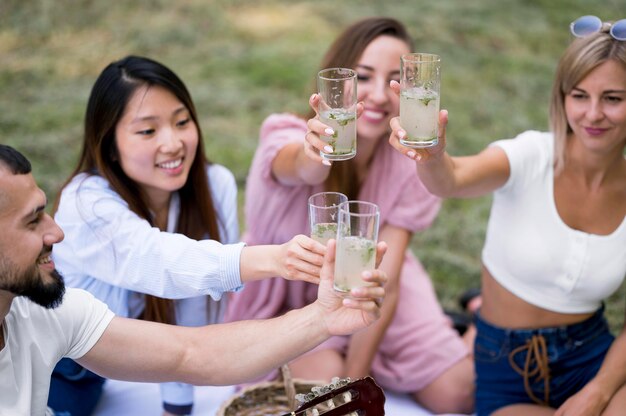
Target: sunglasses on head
586 25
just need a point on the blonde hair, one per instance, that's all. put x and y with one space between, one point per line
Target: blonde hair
579 59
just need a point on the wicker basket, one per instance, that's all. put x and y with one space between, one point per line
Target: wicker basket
269 398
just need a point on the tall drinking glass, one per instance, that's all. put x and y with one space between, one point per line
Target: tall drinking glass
420 84
357 233
323 215
337 109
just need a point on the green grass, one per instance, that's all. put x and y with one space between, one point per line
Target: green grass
245 59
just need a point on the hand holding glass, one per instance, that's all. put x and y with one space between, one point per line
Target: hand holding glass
337 109
420 80
323 215
357 234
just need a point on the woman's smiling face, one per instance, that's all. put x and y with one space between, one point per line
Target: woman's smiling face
379 64
156 142
596 108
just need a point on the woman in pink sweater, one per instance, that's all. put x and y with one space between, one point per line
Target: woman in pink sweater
412 348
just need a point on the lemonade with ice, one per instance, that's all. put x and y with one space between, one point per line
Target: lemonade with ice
322 232
343 141
419 116
354 256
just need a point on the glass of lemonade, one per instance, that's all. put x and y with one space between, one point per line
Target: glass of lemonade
357 234
337 109
420 83
323 214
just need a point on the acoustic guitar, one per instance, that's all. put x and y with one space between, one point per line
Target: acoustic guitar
359 397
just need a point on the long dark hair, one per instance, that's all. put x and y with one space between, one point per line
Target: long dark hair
345 52
108 100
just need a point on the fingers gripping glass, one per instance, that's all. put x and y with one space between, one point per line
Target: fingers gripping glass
586 25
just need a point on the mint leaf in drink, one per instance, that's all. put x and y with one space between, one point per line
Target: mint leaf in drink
368 253
345 121
426 100
324 228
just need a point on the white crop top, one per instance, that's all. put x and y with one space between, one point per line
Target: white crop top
530 250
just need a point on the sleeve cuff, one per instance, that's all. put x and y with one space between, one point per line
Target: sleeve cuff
231 265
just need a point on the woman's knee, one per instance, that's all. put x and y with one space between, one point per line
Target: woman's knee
319 365
452 391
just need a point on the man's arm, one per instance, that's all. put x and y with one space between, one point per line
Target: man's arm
232 353
137 350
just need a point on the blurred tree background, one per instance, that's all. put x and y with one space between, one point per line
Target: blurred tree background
244 59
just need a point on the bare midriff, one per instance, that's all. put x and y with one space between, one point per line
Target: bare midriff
502 308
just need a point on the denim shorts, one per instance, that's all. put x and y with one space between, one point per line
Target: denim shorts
574 355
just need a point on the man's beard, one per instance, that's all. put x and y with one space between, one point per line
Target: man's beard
31 285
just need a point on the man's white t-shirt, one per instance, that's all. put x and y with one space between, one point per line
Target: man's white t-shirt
36 339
